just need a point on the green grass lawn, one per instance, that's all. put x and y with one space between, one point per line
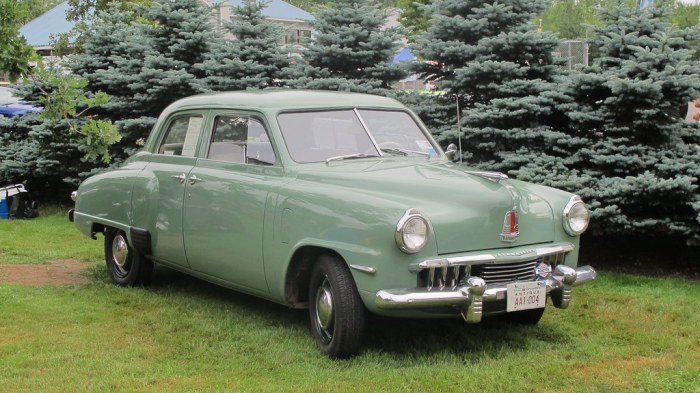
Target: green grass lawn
622 333
50 237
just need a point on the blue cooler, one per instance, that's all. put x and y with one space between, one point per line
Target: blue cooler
4 209
5 194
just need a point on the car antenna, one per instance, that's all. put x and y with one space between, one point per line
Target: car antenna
459 129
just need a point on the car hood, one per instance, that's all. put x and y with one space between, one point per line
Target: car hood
466 211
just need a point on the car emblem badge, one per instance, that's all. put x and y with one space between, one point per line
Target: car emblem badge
510 227
543 271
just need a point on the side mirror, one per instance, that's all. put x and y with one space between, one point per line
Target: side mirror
451 151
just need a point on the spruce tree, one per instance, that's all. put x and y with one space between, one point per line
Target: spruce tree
41 155
490 56
351 50
254 58
640 167
145 62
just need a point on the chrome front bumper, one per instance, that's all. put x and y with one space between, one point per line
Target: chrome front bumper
472 292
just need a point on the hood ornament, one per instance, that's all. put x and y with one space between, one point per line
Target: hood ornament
510 231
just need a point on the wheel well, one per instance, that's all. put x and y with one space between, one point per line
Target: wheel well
97 228
299 273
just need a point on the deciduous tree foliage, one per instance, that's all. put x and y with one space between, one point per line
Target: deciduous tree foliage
351 50
253 58
414 15
15 52
640 166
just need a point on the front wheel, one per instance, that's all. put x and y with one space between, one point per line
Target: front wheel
336 312
126 266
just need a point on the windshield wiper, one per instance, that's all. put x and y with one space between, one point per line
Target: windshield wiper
403 152
347 156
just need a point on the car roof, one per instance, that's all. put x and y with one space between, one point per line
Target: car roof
284 99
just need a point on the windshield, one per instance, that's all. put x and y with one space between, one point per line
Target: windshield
323 135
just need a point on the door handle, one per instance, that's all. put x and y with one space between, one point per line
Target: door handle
180 178
193 179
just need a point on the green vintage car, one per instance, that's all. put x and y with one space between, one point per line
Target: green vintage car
337 202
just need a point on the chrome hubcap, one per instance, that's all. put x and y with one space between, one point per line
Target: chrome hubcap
324 306
120 250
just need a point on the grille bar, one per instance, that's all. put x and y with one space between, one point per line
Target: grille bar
439 278
506 272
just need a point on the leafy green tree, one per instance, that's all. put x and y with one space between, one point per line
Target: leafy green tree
490 57
81 10
571 18
414 15
52 150
65 101
15 52
350 50
60 95
685 16
640 166
254 58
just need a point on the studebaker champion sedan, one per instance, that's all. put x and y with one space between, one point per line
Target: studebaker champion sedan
337 202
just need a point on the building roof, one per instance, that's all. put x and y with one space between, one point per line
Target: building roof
275 9
39 30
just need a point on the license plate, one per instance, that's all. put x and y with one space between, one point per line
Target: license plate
526 295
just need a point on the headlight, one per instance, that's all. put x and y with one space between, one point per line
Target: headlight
576 216
412 232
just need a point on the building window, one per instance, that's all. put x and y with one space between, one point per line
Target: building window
296 36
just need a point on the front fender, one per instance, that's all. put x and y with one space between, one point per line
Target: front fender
361 231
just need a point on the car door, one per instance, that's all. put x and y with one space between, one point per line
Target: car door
169 169
227 191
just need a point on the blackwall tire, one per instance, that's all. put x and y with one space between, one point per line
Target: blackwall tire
126 267
336 312
526 317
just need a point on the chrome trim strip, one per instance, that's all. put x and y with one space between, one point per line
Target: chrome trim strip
371 137
492 176
544 251
492 258
364 269
456 261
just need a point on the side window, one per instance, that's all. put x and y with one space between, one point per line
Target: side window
240 139
182 136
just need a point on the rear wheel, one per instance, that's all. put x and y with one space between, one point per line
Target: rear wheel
336 312
526 317
126 266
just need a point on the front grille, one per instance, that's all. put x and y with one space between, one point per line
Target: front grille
449 277
506 272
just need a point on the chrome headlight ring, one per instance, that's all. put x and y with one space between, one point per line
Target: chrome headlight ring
412 232
576 216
